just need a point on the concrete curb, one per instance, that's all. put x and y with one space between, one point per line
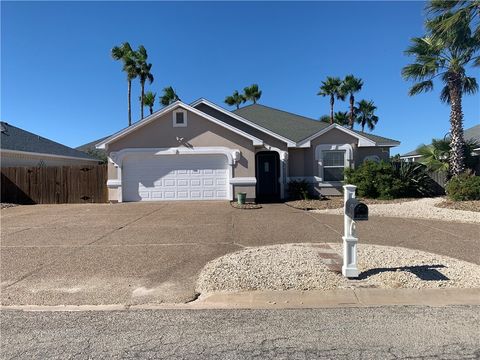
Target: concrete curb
339 298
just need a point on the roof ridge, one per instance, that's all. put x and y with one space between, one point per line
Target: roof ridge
284 111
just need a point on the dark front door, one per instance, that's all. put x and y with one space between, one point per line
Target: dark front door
268 172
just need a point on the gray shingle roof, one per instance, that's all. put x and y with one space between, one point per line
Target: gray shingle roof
470 134
292 126
13 138
91 145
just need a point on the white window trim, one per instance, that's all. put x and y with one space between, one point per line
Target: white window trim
174 118
328 147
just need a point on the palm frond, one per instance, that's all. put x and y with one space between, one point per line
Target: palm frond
420 87
470 85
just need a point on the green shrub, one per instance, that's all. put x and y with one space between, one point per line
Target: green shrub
463 187
298 189
383 180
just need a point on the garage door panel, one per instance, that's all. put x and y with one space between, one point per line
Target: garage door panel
175 177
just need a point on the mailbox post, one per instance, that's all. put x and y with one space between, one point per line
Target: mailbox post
353 210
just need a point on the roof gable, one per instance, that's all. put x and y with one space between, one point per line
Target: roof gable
169 108
16 139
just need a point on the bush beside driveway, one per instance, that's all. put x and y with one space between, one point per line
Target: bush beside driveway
152 253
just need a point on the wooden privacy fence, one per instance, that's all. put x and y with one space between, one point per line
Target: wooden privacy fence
54 185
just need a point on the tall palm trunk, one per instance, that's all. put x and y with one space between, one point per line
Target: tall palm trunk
332 102
142 99
151 110
457 142
129 102
363 127
352 102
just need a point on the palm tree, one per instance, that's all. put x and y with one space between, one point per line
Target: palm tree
251 93
340 118
143 72
169 96
125 53
446 55
149 100
450 14
350 86
235 99
435 155
365 114
332 87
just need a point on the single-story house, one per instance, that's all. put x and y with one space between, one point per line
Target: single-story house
22 148
471 134
201 151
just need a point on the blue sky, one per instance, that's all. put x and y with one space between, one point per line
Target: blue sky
58 79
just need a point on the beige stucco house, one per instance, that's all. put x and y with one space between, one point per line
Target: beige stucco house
201 151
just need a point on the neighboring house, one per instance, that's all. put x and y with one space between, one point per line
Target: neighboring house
22 148
202 151
470 134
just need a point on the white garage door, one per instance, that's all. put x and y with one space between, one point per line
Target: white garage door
175 177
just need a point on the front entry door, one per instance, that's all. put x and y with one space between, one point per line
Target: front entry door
268 172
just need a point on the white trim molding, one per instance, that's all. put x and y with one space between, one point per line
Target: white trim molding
233 155
177 104
174 118
289 142
244 181
328 147
362 140
114 183
117 158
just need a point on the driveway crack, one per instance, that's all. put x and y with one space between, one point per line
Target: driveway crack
123 226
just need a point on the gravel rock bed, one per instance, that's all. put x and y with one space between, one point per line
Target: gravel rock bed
299 267
336 202
246 206
418 209
473 205
327 203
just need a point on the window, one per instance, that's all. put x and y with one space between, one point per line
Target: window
179 118
333 165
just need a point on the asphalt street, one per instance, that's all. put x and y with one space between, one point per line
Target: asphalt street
400 332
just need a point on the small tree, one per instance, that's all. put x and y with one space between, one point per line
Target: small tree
149 100
252 93
169 96
350 86
365 114
236 99
332 87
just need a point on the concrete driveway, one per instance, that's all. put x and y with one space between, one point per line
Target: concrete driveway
152 252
